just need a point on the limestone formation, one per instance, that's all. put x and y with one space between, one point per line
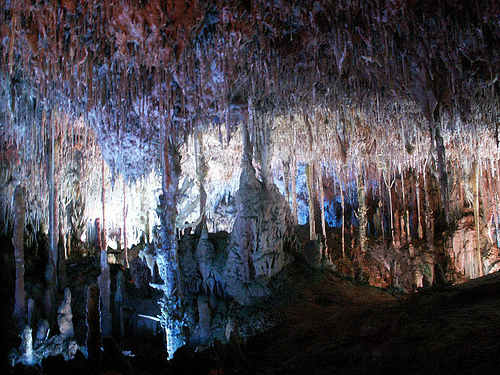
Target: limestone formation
258 242
65 318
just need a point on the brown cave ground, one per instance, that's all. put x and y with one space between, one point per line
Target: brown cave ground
334 326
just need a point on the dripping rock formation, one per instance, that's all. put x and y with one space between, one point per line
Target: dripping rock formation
249 187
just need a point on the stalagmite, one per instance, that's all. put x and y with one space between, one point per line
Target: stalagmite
26 347
19 208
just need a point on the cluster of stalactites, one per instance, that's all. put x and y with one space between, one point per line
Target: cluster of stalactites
193 63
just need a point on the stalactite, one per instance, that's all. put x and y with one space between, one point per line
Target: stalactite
310 191
12 38
19 208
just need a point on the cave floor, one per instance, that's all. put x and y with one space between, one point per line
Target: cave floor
334 326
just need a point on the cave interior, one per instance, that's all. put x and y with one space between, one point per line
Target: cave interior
250 187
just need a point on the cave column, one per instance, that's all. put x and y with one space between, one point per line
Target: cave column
479 262
342 202
419 212
443 174
166 256
391 211
52 264
429 215
201 173
104 278
362 211
125 211
286 178
93 340
310 191
293 173
322 207
19 208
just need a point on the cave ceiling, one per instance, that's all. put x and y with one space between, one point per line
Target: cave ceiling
350 79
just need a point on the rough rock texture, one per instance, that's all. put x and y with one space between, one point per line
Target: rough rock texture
259 239
212 266
65 318
463 249
94 341
312 253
